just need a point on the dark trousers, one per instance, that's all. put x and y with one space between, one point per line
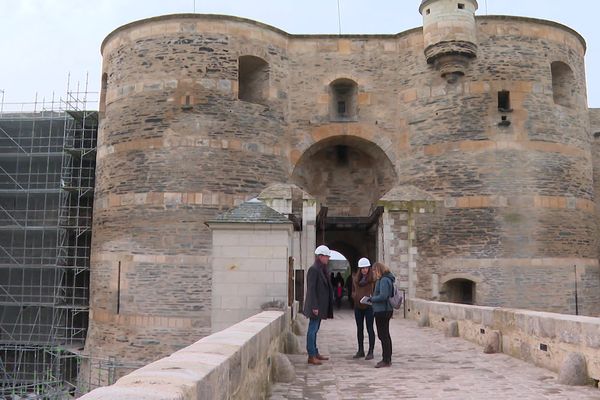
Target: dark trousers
360 316
382 319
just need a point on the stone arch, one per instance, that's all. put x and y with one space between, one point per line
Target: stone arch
563 83
343 100
333 130
459 288
348 174
253 79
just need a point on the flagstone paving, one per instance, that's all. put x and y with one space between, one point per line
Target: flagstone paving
425 365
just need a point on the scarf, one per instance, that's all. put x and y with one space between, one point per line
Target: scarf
364 279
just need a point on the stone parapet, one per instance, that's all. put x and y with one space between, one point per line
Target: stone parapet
232 364
542 338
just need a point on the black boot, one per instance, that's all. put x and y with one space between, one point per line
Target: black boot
359 354
369 355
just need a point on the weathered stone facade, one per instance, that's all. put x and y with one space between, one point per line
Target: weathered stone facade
502 152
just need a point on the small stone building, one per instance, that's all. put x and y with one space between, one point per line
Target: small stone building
461 153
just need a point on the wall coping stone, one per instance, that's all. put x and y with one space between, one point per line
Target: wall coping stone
219 364
218 17
522 332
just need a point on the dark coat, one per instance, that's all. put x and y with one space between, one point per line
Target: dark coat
319 293
358 292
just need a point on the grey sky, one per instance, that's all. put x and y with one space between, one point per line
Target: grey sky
42 41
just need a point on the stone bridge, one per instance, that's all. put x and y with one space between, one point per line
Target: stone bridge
425 365
441 351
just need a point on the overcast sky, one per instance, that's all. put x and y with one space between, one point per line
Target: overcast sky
42 41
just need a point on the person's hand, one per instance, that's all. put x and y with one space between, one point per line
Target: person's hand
316 312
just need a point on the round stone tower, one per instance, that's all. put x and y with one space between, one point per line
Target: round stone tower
193 116
450 35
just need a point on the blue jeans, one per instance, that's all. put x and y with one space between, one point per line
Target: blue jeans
311 336
361 316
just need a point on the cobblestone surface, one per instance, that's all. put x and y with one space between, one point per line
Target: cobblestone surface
425 365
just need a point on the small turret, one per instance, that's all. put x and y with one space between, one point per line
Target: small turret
450 35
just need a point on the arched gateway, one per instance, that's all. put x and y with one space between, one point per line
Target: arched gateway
347 175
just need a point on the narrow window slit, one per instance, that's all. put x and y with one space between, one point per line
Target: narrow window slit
504 101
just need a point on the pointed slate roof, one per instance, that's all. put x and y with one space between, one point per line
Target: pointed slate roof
252 211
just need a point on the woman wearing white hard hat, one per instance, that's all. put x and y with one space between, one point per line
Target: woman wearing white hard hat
362 286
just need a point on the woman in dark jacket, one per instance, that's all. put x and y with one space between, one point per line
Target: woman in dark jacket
383 310
362 285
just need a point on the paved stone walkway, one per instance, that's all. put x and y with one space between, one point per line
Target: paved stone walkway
425 365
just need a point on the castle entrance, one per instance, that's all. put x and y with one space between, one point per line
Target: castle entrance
353 237
347 175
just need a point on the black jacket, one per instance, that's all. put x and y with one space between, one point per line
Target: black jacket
319 293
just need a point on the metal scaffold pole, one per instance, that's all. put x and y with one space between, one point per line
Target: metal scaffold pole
47 169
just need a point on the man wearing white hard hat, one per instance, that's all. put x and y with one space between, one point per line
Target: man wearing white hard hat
318 304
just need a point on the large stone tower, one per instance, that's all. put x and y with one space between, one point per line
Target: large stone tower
475 186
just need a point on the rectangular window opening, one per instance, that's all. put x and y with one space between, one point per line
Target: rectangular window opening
543 347
188 100
341 107
461 6
428 11
504 101
119 288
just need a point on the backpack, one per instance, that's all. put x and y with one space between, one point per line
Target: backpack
396 298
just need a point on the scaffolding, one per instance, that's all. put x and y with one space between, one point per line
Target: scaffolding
47 168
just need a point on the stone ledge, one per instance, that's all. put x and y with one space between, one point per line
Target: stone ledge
530 262
167 199
233 363
176 142
532 201
142 320
523 333
473 146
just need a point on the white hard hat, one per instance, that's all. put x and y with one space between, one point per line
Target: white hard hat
364 263
323 250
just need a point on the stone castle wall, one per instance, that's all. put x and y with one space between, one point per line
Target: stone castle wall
176 147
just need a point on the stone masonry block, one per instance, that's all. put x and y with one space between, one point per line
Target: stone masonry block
233 302
492 342
264 252
573 370
276 265
452 329
249 265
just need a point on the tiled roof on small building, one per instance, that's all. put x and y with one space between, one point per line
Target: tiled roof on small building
252 211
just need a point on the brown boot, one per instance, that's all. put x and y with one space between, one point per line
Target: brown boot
322 358
314 361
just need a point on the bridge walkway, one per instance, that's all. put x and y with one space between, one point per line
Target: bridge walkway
425 365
